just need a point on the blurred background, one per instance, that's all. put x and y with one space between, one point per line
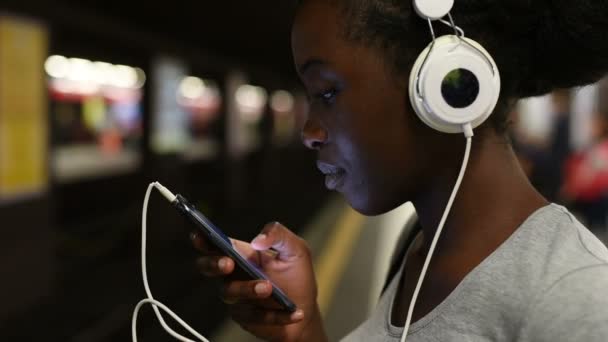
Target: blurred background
98 99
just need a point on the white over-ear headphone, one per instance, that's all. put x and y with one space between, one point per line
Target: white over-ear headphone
454 81
454 87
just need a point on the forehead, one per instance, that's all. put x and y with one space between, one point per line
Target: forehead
317 32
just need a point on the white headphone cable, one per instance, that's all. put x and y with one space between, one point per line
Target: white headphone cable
468 132
166 193
150 299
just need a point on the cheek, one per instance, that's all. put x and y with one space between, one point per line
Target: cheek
377 141
379 165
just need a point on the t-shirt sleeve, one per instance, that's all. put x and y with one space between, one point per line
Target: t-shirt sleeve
575 308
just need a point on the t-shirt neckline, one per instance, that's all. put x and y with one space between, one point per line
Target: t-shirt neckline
455 294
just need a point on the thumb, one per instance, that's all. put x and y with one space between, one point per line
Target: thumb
282 240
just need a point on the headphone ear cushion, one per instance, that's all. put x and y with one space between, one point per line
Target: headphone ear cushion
454 82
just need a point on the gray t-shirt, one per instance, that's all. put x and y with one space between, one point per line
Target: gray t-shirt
547 282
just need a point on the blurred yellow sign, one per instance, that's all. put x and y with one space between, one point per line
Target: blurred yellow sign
23 108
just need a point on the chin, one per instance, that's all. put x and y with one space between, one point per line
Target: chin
366 207
370 205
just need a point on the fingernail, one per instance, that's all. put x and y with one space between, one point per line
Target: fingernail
260 288
259 238
222 263
299 314
192 236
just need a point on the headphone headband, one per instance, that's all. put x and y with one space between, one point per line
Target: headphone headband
433 9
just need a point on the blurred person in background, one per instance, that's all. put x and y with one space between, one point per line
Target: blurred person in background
559 146
509 265
586 182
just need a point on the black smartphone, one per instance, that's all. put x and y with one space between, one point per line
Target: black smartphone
222 242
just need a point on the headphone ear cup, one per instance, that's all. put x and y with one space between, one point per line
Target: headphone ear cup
454 81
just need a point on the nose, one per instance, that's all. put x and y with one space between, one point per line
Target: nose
313 135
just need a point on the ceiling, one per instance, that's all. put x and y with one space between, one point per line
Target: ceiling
250 33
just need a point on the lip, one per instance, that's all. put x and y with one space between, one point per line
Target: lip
334 175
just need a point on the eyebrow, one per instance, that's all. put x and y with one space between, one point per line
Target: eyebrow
309 64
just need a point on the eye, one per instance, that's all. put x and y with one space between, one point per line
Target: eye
327 97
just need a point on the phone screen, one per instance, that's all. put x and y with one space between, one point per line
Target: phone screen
223 243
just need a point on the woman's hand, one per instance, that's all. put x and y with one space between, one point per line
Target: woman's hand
288 265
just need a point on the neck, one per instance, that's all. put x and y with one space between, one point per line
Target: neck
495 197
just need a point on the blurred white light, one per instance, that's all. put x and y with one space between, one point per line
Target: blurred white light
57 66
102 72
141 78
192 87
251 97
93 74
281 101
80 70
124 76
585 104
535 117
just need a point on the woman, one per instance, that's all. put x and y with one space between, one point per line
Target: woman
509 266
